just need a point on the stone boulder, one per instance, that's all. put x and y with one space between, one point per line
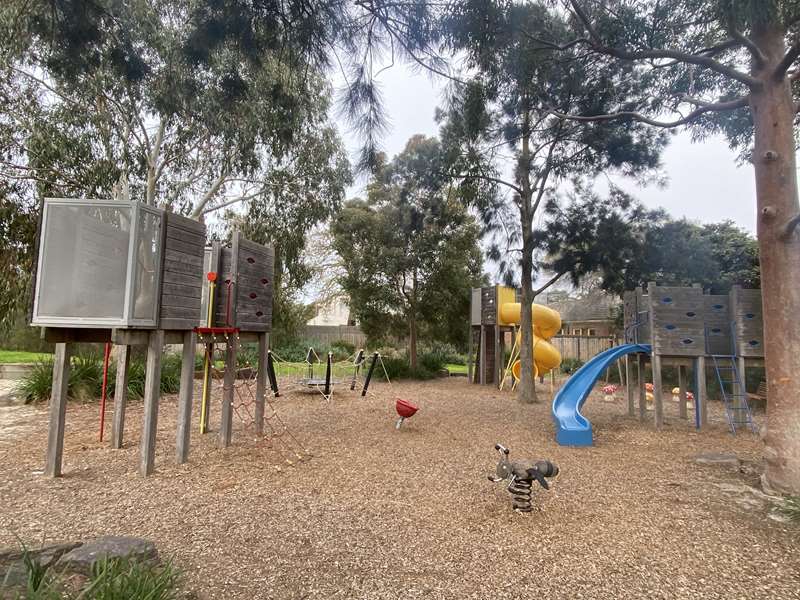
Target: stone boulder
81 559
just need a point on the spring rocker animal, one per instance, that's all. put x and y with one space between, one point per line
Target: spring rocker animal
520 475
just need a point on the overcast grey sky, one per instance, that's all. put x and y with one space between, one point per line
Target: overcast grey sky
705 183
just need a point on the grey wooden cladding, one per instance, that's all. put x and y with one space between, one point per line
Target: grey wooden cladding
717 321
489 305
676 320
182 278
747 314
244 292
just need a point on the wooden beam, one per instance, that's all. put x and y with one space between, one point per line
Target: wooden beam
682 412
482 360
658 392
629 387
152 392
226 420
58 410
185 397
120 395
700 396
261 383
640 378
64 335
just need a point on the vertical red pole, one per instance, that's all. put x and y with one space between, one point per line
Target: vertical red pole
106 356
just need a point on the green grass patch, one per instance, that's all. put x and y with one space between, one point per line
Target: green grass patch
19 356
456 369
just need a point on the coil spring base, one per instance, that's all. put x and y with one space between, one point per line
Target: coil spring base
520 491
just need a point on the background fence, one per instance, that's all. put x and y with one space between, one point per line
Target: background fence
324 335
583 347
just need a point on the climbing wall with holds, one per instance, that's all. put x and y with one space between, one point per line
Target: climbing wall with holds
718 324
243 297
676 320
747 315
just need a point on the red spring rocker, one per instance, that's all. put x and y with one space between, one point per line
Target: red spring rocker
405 409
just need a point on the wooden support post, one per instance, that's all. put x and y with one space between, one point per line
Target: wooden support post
497 376
469 355
682 392
58 410
658 392
482 360
261 383
629 387
640 378
578 344
152 392
229 383
700 396
120 395
185 397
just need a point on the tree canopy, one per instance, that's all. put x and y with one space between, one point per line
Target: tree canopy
410 251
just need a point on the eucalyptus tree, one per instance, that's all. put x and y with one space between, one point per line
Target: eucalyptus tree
722 66
410 252
504 116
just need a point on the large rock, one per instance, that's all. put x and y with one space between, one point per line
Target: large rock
81 559
12 564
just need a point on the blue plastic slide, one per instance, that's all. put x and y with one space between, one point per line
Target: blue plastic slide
572 428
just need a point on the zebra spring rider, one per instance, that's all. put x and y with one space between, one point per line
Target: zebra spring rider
520 475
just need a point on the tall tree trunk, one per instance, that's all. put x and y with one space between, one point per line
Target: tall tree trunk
527 385
776 188
412 324
412 341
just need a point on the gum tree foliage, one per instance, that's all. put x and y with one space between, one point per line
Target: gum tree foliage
503 117
410 251
94 92
727 66
679 252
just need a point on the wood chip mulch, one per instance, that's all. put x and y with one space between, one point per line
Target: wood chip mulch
378 513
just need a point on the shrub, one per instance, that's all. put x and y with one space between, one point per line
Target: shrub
570 365
448 352
86 378
432 361
396 367
294 351
342 350
117 579
791 508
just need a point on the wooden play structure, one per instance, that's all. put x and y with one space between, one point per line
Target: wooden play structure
494 324
686 328
133 275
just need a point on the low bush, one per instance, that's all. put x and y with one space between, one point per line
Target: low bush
342 350
86 378
111 579
570 365
791 508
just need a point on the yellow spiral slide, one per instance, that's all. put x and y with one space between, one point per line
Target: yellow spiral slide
546 323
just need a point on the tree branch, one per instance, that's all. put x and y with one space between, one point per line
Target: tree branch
635 116
550 282
685 57
790 227
508 184
786 62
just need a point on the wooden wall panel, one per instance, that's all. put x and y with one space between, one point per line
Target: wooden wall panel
182 273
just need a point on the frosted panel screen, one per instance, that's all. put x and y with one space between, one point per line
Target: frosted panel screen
84 261
146 266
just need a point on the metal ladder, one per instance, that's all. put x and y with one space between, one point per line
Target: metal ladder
737 408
